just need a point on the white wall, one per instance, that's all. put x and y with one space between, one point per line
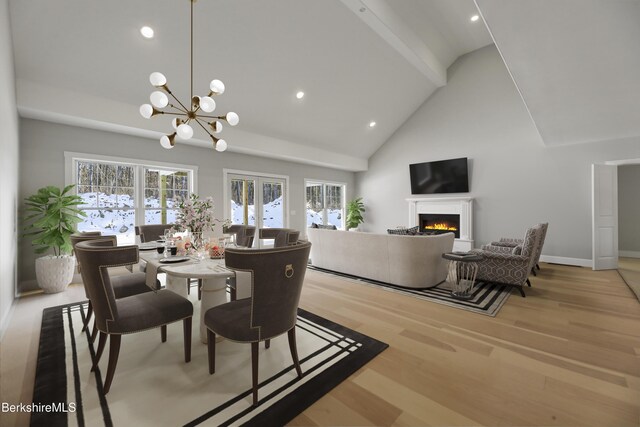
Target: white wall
42 159
9 168
516 181
629 210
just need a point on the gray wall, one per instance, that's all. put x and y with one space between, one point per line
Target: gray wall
9 168
42 158
515 180
629 209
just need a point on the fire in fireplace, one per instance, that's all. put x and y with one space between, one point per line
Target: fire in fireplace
440 223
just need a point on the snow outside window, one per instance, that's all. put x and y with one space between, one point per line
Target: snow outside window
325 203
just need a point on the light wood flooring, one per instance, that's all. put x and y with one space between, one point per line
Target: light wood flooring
567 354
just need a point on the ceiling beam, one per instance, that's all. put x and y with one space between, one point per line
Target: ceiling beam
388 25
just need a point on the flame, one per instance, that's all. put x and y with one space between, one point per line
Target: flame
441 226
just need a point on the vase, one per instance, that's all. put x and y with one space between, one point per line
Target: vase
197 241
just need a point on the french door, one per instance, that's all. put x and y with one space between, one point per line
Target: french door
256 200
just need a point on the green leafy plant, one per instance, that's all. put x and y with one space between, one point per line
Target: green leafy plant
52 216
355 209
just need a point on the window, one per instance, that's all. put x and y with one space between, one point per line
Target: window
325 203
118 193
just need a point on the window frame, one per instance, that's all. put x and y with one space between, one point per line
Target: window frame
72 158
324 183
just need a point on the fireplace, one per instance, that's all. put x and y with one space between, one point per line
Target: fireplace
440 223
458 209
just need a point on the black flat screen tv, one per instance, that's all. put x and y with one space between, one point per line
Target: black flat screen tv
444 176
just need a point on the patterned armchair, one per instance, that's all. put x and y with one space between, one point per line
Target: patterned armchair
510 268
506 245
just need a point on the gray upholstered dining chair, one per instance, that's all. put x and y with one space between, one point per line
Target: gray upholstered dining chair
123 285
281 236
270 311
151 232
506 245
510 268
135 313
244 234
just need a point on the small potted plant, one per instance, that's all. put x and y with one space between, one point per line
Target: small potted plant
52 216
355 209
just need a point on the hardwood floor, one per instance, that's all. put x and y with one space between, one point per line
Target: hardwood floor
567 354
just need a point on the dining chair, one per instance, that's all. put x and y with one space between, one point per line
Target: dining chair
115 317
277 276
281 236
123 285
244 234
151 232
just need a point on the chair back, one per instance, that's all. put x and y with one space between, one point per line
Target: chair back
281 236
244 234
277 276
95 257
530 244
544 226
151 232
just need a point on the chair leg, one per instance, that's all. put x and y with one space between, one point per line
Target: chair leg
267 343
163 333
211 350
188 286
522 291
529 282
199 289
88 318
186 327
294 350
101 342
114 351
254 371
537 266
94 333
533 270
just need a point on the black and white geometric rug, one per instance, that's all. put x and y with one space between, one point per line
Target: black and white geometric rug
153 386
487 298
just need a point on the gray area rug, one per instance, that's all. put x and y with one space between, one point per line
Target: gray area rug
632 279
487 298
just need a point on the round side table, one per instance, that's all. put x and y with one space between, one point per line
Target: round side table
463 268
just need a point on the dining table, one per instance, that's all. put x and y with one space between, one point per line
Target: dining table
180 269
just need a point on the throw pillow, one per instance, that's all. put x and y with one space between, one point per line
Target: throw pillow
398 231
313 225
517 250
327 227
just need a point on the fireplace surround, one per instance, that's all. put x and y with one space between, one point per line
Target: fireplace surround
444 207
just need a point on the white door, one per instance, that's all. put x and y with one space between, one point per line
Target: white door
605 216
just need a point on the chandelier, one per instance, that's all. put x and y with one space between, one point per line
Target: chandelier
194 114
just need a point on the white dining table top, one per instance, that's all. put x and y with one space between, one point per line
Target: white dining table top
204 269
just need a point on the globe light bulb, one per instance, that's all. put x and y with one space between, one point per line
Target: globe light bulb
217 87
185 131
146 111
232 118
216 126
207 104
159 99
167 141
221 145
157 79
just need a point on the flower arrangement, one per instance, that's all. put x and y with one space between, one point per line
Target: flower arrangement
196 215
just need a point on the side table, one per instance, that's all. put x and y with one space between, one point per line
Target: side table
463 268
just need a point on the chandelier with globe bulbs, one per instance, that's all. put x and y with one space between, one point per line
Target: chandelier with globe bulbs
194 114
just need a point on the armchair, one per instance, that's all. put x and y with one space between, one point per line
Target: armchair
510 268
506 244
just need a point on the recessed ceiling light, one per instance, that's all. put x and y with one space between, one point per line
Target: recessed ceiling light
147 32
474 18
300 95
372 124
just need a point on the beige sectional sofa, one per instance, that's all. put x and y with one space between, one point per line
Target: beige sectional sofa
409 261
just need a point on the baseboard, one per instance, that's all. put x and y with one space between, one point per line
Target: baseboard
580 262
629 254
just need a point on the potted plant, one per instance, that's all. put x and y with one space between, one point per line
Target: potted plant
355 208
52 216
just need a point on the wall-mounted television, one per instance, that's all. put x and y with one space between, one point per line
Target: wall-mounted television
444 176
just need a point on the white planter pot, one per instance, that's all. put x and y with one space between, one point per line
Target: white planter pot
54 273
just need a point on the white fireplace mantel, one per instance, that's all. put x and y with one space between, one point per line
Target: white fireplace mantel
462 206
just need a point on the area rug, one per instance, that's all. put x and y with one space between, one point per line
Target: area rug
153 386
487 298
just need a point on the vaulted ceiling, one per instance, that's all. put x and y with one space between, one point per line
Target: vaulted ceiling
84 62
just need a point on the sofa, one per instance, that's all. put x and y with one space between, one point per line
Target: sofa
407 261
